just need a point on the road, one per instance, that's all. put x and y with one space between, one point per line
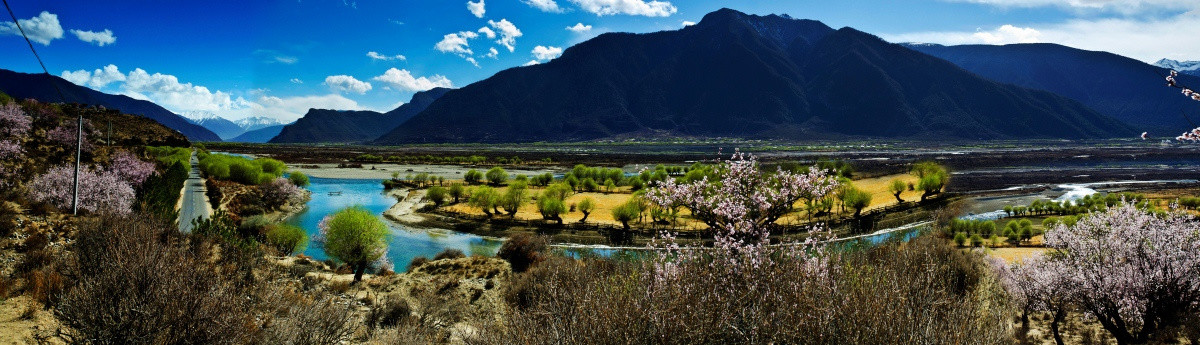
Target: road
194 202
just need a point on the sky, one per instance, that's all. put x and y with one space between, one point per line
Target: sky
239 59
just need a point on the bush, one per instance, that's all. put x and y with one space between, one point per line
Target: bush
437 195
497 176
356 237
522 251
298 178
450 253
417 262
586 206
960 239
457 192
472 176
551 208
286 239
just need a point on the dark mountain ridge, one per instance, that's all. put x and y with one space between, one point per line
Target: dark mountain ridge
333 126
739 75
41 87
1126 89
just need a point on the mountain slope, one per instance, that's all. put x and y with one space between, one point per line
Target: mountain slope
740 75
1126 89
41 87
260 135
332 126
223 128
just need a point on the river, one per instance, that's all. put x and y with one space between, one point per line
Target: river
405 242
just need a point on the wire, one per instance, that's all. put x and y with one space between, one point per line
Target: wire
61 98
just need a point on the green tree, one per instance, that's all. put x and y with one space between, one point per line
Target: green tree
485 199
559 191
472 176
356 237
960 239
931 178
627 212
586 206
551 208
856 199
298 178
572 181
513 198
636 183
457 192
286 239
588 184
437 195
610 186
497 176
897 187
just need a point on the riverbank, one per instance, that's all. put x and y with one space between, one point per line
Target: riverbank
381 171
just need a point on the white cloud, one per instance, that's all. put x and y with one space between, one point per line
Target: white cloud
508 33
1122 6
1146 40
476 8
546 53
286 59
345 83
472 61
289 109
381 57
100 38
531 63
167 91
629 7
579 28
271 56
41 29
404 80
544 5
97 79
492 53
456 43
487 32
688 23
296 81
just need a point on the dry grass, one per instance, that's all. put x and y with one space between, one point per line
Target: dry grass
1015 254
606 202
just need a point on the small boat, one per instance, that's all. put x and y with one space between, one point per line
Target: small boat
335 193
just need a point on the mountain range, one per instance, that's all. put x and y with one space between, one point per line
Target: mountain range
739 75
1126 89
251 130
41 87
1185 67
334 126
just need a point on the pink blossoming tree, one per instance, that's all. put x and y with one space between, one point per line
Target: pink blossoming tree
131 169
99 192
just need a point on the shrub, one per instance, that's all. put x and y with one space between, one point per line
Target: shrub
417 262
522 251
513 198
485 199
450 253
627 212
279 192
354 236
457 192
99 192
588 184
472 176
437 195
960 239
497 176
551 208
286 239
392 313
298 178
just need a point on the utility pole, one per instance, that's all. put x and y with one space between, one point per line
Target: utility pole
78 153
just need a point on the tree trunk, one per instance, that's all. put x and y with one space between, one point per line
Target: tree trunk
1059 315
358 272
585 215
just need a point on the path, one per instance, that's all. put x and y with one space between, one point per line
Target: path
194 201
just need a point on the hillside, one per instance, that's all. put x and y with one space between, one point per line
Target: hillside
739 75
260 135
41 87
332 126
1126 89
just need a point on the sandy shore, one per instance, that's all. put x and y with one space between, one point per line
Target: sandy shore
384 171
405 210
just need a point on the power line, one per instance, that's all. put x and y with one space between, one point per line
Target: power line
63 99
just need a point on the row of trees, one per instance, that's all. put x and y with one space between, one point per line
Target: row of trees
240 169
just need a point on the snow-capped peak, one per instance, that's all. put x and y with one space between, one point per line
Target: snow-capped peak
1186 67
253 123
199 115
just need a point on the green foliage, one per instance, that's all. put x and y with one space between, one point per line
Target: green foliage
160 192
457 192
542 180
168 155
897 187
586 206
437 195
627 212
976 240
856 199
485 199
551 207
931 178
636 183
960 239
298 178
572 181
558 191
472 176
286 239
610 186
240 169
497 176
588 184
513 198
356 237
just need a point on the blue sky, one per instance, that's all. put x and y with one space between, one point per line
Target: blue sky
278 58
